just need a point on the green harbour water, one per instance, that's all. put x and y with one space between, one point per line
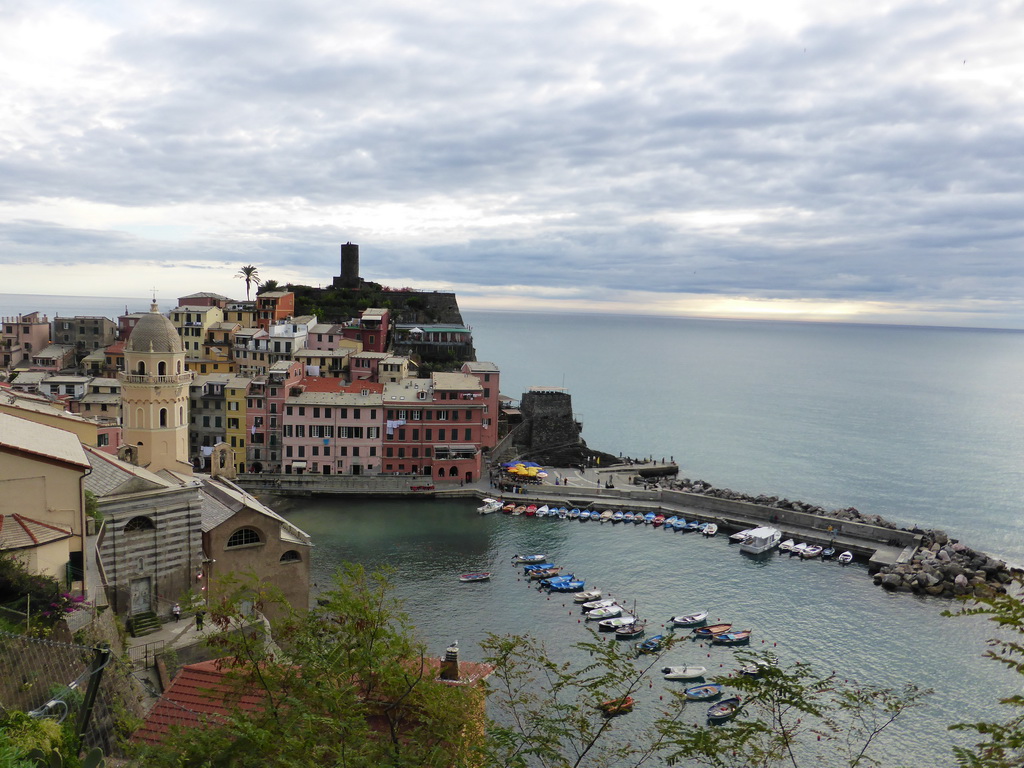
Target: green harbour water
802 610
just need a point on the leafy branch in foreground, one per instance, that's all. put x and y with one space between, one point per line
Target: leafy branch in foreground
1002 745
549 713
790 715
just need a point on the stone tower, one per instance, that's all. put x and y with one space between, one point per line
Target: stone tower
154 395
349 277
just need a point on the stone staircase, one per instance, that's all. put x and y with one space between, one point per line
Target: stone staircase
144 623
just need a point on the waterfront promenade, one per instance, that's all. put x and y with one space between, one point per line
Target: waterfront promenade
613 487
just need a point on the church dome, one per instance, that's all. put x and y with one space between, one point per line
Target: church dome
154 333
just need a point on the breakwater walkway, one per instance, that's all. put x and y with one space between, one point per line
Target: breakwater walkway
613 487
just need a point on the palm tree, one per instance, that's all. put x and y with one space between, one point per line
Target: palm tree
251 275
269 285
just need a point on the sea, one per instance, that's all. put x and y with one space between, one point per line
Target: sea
921 425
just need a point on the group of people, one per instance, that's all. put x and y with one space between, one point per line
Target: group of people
200 615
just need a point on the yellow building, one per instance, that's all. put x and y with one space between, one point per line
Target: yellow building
237 431
42 502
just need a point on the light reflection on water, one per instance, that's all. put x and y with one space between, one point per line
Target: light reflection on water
803 610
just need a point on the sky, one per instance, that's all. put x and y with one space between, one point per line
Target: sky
841 161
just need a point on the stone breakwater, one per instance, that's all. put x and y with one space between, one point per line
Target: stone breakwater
941 566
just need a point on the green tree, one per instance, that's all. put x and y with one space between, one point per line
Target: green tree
351 688
1002 743
268 285
251 275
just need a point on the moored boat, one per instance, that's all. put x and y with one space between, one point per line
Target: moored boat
711 529
489 505
810 551
714 629
704 692
543 511
531 567
828 553
543 573
628 631
607 612
651 644
531 510
519 510
617 516
798 549
690 619
591 605
615 707
478 576
649 518
586 597
846 557
585 515
606 516
787 545
548 581
761 539
739 536
693 525
684 673
732 638
507 509
627 517
611 625
658 521
528 558
724 710
567 586
574 514
670 523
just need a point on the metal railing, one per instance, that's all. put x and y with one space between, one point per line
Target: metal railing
144 656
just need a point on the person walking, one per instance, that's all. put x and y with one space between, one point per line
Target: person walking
176 610
200 615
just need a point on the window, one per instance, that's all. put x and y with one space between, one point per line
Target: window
140 523
102 440
442 415
244 537
291 556
469 435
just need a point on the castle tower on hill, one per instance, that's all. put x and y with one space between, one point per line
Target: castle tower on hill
154 395
349 277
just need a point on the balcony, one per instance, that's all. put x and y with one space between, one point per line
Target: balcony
143 378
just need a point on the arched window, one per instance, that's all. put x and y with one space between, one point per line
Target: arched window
161 368
142 367
178 367
453 472
181 414
440 471
291 556
140 523
163 417
244 537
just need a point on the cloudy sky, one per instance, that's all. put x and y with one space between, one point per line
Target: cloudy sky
817 160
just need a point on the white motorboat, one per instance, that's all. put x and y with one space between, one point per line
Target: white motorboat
787 545
811 550
846 557
690 619
798 549
489 505
711 529
588 596
543 511
610 625
762 539
595 604
608 612
739 536
606 516
684 673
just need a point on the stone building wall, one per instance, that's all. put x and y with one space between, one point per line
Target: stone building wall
549 421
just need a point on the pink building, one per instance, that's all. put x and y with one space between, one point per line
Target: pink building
372 329
434 426
490 382
333 428
22 337
264 415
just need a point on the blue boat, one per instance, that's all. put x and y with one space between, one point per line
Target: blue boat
651 644
693 525
584 515
702 526
670 524
617 516
649 518
537 567
556 579
528 558
567 586
704 692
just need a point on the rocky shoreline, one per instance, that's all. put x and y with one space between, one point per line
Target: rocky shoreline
941 567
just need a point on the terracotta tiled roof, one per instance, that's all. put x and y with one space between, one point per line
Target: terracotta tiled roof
198 695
